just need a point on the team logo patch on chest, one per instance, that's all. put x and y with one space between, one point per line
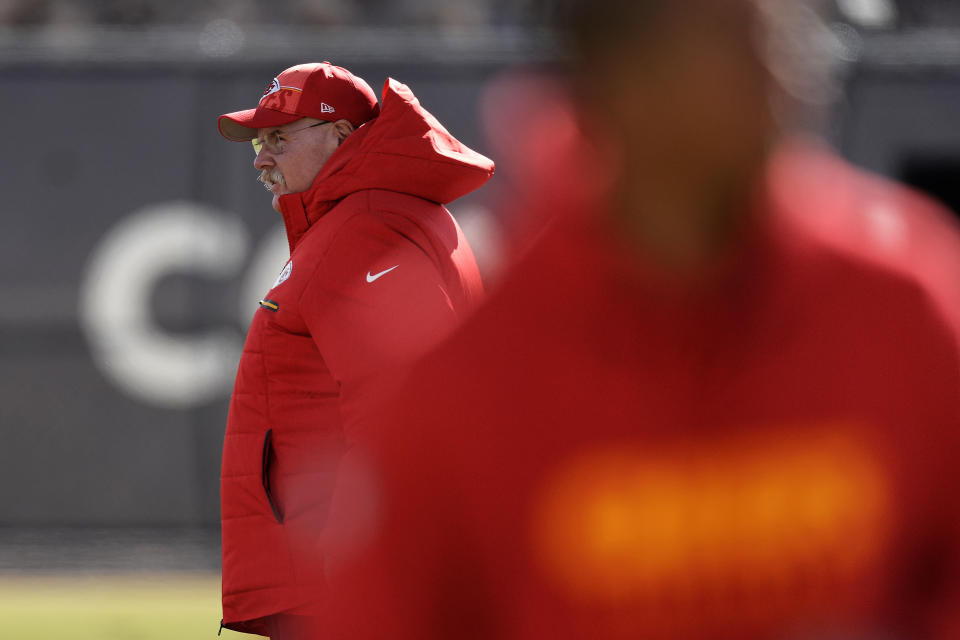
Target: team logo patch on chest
284 275
270 304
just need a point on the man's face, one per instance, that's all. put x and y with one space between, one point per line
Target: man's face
294 154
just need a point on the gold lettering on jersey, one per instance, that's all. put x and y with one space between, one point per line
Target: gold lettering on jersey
772 522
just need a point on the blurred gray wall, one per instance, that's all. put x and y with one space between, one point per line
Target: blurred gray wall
900 111
135 242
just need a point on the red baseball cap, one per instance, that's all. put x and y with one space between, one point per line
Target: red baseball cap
313 90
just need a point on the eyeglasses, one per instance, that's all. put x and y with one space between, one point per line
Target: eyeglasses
274 140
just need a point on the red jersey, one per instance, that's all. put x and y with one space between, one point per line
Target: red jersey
601 454
871 216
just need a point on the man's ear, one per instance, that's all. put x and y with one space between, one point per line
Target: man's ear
343 128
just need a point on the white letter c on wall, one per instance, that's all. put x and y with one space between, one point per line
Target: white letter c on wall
163 369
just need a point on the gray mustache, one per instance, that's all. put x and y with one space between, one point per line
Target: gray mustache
271 177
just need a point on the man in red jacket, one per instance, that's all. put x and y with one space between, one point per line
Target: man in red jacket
683 414
378 272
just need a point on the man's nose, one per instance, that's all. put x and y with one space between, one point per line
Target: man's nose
264 160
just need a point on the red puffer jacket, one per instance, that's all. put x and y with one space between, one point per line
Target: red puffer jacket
379 271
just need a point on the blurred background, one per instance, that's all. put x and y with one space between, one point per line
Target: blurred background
136 242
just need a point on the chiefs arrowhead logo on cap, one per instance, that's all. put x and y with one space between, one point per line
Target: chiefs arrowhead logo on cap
273 87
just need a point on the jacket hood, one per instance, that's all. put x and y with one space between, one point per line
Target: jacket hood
405 149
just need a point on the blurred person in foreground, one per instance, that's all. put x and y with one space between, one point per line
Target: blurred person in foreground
378 272
682 413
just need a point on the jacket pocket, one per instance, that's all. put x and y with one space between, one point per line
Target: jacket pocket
267 455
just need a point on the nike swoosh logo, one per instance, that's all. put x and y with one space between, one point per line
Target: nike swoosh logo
371 278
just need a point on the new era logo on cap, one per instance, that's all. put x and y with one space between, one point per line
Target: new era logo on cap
325 108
